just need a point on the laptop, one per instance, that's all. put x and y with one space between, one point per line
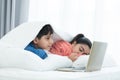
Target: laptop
95 60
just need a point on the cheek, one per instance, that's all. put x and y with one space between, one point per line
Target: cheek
75 49
42 44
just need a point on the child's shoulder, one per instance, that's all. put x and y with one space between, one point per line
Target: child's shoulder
62 43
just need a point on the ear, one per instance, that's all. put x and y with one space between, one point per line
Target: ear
35 40
74 43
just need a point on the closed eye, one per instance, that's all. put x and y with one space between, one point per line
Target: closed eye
85 53
81 49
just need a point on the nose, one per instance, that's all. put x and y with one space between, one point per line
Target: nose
79 53
51 41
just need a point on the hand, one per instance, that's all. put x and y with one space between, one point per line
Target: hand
73 56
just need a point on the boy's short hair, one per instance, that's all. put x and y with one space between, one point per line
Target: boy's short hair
45 30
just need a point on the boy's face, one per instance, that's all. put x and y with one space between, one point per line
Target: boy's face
45 42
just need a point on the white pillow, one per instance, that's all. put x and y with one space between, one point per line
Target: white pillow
82 61
108 61
15 57
19 58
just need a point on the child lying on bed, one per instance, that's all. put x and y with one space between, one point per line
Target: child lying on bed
43 41
80 45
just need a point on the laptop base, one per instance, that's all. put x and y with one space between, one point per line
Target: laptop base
72 69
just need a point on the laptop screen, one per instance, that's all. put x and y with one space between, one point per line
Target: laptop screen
96 56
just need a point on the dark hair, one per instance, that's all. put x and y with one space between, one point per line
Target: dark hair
45 30
80 38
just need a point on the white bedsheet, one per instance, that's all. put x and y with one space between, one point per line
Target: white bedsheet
108 73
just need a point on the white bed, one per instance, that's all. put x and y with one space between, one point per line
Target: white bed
18 64
111 73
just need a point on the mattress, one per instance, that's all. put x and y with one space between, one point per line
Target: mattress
108 73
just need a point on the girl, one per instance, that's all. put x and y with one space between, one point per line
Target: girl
80 45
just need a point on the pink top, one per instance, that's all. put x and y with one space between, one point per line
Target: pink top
61 47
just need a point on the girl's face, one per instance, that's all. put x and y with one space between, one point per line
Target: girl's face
45 42
80 49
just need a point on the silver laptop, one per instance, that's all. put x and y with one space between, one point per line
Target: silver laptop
95 60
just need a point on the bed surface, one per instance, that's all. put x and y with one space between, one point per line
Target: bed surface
109 73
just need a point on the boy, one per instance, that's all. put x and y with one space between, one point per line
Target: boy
42 41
